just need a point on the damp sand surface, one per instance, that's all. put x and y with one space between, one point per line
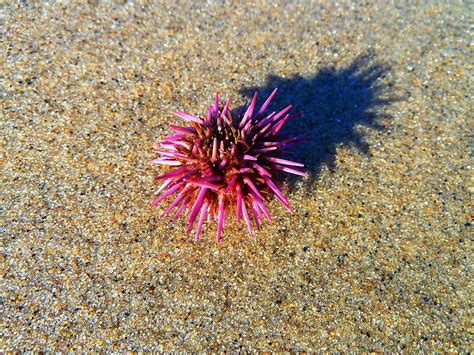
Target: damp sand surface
375 257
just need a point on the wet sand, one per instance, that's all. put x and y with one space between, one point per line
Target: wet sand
376 256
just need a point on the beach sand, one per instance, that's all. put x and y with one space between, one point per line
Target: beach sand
375 257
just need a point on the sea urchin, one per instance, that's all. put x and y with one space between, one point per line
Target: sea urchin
226 161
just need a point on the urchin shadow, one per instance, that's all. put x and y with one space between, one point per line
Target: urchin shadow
334 102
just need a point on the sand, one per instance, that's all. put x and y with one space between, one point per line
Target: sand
377 254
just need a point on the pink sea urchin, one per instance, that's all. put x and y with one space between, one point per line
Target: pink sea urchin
225 161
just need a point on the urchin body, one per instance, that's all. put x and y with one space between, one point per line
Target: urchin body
225 162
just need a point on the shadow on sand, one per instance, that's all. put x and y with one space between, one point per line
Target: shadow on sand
333 103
